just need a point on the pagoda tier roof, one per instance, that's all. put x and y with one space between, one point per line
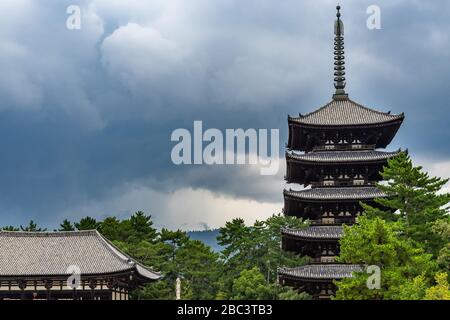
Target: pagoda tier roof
51 253
331 157
332 194
320 271
315 232
345 112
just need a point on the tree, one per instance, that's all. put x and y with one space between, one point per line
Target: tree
288 293
441 291
139 227
251 285
174 255
32 227
199 267
10 228
246 247
112 229
374 241
66 225
159 290
142 227
414 198
441 228
87 223
412 289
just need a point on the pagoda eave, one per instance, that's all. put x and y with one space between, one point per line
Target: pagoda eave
296 121
303 136
314 233
320 272
350 194
335 158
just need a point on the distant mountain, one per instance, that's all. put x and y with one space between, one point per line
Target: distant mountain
208 237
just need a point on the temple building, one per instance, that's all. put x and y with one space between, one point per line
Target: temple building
67 265
334 152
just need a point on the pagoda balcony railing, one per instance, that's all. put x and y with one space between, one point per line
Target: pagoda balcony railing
341 183
349 146
333 221
323 259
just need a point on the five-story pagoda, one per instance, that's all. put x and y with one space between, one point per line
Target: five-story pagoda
334 152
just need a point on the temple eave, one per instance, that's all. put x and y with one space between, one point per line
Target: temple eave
335 194
340 157
312 233
318 272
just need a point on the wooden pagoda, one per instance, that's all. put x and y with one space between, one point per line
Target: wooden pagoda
67 265
333 152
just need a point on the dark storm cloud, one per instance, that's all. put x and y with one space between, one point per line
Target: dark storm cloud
86 113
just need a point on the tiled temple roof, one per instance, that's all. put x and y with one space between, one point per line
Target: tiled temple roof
321 271
341 193
345 112
341 156
315 232
51 253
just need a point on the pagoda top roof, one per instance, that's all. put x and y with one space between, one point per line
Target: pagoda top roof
345 112
341 156
341 193
52 253
321 271
315 232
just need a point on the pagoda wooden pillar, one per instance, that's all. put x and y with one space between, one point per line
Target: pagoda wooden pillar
92 286
48 285
22 285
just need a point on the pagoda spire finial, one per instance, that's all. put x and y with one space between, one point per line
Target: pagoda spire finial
339 59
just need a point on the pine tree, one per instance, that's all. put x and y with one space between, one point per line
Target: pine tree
258 245
414 198
66 225
376 242
10 228
32 227
87 223
142 226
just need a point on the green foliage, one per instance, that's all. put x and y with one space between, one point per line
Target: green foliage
32 227
374 241
441 291
251 285
170 252
407 235
10 228
288 293
246 247
142 227
139 227
443 258
159 290
412 289
87 223
414 198
66 225
198 265
441 228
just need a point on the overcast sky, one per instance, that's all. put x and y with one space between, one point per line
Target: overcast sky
86 115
